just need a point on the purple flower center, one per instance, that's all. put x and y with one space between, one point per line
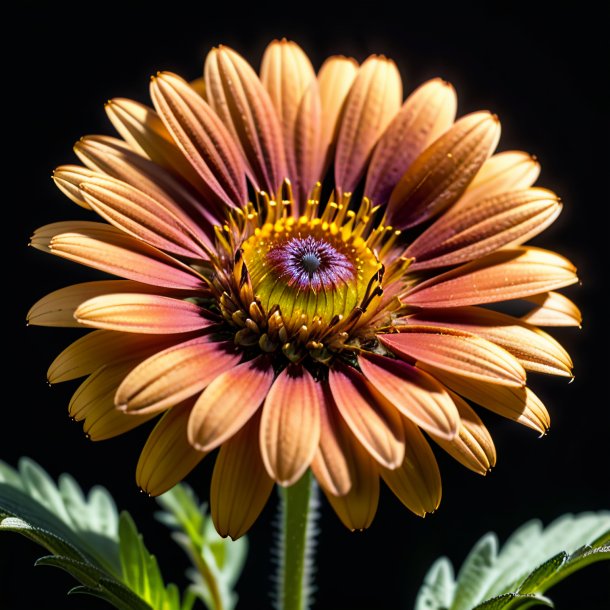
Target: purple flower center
307 262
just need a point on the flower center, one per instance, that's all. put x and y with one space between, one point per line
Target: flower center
310 263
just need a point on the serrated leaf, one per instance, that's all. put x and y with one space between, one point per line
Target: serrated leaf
88 539
438 588
217 561
531 562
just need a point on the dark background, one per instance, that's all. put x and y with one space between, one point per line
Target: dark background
550 91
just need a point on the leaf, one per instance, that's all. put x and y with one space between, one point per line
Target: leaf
217 561
531 561
87 538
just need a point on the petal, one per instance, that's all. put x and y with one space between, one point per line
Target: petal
229 402
141 313
473 446
331 465
552 309
414 393
202 138
535 349
237 95
470 231
507 274
426 114
335 80
115 158
372 420
167 456
240 484
439 176
458 352
167 378
519 404
141 127
141 216
105 248
511 170
87 354
68 177
417 483
373 100
358 506
57 308
286 73
290 425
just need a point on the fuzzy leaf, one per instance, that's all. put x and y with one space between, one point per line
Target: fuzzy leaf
531 561
87 538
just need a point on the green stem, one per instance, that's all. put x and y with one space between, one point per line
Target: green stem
298 514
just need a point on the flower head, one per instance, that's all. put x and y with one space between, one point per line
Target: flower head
272 313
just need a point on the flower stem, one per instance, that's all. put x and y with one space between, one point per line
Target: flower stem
298 516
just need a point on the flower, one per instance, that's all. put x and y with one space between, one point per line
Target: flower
287 321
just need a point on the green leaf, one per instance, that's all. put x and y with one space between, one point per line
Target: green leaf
217 562
531 561
87 538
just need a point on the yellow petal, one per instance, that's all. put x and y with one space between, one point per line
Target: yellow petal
236 94
335 80
417 483
414 393
167 456
552 309
240 484
473 446
290 425
171 376
440 175
68 177
426 114
229 402
372 420
372 102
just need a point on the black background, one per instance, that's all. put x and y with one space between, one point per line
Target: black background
526 64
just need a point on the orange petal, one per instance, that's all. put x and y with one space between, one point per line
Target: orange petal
552 309
440 175
290 425
174 374
286 73
238 97
68 177
535 349
372 420
335 80
115 158
508 274
511 170
417 395
417 483
373 100
426 114
240 484
167 456
57 308
473 446
229 402
141 216
471 231
87 354
358 506
141 127
458 352
203 139
331 464
105 248
141 313
519 404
